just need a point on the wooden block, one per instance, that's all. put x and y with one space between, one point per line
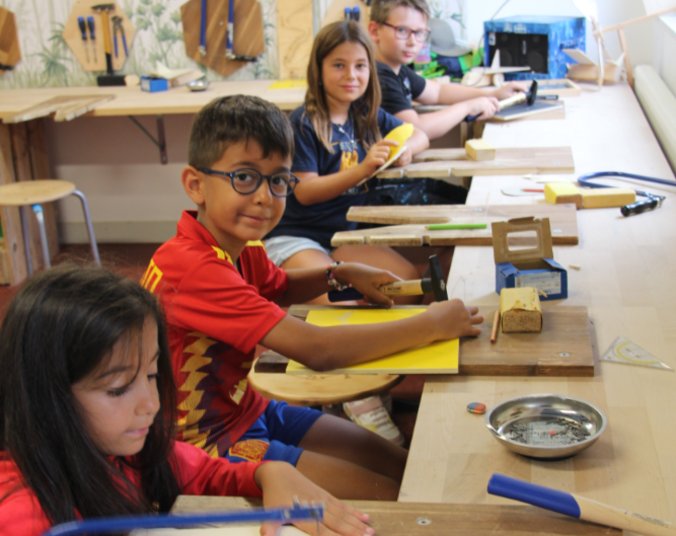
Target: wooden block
480 150
294 38
563 192
520 310
607 197
10 53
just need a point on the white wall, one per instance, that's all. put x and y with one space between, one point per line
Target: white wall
136 199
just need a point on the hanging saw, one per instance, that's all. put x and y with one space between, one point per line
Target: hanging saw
230 37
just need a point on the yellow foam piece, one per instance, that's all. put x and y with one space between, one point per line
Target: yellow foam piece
563 192
520 310
400 134
437 358
480 150
607 197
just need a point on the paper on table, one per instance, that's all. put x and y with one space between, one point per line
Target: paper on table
436 358
223 530
391 161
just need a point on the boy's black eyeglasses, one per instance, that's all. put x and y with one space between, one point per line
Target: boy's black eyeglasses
247 181
403 33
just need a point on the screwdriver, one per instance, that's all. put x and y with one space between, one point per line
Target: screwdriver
651 202
92 35
83 32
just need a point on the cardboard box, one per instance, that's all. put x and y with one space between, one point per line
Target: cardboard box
522 249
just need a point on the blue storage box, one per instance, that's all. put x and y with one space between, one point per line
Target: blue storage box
527 266
533 41
152 84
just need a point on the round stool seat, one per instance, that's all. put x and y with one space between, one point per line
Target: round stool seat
30 192
319 389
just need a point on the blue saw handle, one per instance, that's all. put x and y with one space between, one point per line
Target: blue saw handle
544 497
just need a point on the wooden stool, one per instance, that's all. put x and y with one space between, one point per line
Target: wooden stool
34 193
319 389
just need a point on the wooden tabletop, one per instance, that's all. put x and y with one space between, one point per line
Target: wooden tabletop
398 519
626 279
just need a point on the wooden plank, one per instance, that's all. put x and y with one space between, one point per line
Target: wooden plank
80 106
442 163
562 218
294 42
12 258
564 347
65 108
537 110
426 519
10 53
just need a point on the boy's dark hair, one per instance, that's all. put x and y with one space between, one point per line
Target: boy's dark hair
238 118
58 329
380 9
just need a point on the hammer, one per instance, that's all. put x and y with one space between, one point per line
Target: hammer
411 287
528 97
104 10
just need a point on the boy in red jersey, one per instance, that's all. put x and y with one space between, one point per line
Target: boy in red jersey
222 297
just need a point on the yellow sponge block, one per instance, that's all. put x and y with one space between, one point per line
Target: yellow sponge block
400 134
563 192
478 149
520 310
607 197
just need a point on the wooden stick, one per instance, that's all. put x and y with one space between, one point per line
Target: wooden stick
629 22
496 324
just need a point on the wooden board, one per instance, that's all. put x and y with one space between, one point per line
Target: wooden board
562 219
426 519
443 163
564 347
558 86
294 42
63 107
249 39
91 56
535 110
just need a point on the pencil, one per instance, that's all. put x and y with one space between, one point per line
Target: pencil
496 324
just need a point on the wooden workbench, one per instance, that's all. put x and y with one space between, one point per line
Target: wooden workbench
626 279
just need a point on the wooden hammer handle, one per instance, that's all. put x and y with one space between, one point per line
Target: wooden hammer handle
411 287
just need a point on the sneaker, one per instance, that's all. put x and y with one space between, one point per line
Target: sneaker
370 413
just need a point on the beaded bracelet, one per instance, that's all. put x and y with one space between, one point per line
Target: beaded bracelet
333 283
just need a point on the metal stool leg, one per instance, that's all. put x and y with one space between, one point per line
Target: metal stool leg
90 227
40 216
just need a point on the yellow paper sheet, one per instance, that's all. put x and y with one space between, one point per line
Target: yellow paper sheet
437 358
288 84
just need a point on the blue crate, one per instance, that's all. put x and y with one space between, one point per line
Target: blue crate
535 41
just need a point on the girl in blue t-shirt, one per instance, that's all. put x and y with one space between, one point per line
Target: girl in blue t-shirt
339 145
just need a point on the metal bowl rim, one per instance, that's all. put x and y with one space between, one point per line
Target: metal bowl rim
544 448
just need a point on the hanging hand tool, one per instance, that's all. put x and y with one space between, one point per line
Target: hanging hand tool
82 25
92 36
230 37
413 287
104 10
203 29
352 13
118 29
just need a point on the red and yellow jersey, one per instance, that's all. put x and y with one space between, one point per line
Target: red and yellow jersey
216 315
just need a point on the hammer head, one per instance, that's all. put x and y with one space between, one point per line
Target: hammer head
437 280
532 93
104 7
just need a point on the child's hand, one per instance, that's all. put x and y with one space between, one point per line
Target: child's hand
509 89
378 154
366 279
453 319
282 484
405 159
486 107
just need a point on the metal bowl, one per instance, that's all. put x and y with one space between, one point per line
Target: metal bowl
546 426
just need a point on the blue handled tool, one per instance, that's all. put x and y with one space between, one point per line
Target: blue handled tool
82 25
92 35
230 37
118 29
203 29
127 523
352 13
413 287
572 505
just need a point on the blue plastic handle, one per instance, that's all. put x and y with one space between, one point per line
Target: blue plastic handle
127 523
520 490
